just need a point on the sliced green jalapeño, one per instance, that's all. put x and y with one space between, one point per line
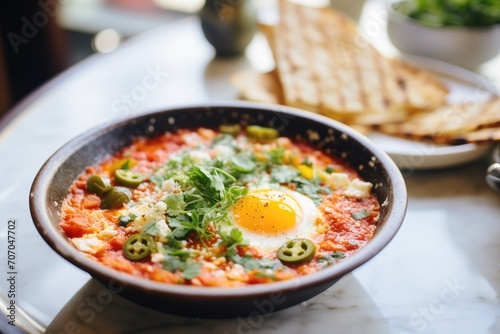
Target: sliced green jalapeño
115 197
230 129
262 133
296 251
128 178
98 184
138 247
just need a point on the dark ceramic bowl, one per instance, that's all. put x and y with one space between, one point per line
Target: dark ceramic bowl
51 185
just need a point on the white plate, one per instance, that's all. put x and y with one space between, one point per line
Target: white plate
465 86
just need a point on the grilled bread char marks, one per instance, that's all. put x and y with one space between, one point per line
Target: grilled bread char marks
324 65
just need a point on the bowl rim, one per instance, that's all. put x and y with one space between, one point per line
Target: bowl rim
58 242
396 16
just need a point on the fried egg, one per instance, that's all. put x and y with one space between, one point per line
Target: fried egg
269 217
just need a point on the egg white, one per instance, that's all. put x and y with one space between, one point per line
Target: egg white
306 228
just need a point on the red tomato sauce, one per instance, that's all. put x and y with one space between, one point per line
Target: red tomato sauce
98 233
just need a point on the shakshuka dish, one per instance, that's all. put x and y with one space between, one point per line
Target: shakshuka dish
219 207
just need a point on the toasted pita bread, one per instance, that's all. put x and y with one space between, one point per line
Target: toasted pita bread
258 87
483 136
449 121
325 65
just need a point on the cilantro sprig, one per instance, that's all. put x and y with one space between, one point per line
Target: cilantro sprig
124 220
232 240
285 174
358 215
331 258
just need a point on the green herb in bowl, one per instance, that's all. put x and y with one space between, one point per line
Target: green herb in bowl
452 13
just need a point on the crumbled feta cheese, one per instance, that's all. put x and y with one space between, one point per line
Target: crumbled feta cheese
107 233
358 189
223 150
237 272
328 209
338 181
89 245
146 212
192 139
219 273
169 186
163 228
157 257
199 156
139 210
160 208
284 142
209 266
196 282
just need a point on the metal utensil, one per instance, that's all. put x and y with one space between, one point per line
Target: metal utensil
493 171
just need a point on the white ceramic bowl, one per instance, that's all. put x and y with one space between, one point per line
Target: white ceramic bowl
467 47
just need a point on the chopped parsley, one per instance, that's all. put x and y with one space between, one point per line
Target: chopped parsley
284 174
312 188
175 203
124 220
358 215
250 263
276 156
329 259
232 240
191 270
150 228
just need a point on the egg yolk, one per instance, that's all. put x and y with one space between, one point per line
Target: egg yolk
267 211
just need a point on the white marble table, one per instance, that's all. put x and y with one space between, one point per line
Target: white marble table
441 273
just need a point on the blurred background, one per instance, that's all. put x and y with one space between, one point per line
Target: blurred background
41 38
